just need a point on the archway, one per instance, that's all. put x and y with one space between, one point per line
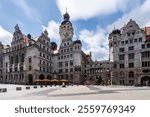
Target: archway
145 80
49 77
41 77
95 80
30 79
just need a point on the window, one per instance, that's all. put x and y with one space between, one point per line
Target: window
146 54
22 57
30 60
121 49
16 69
121 65
143 46
71 63
140 39
60 64
131 65
146 64
114 65
135 40
131 56
17 59
131 41
66 70
60 70
122 74
122 42
21 68
131 74
121 57
128 34
131 48
148 45
43 55
71 69
30 68
66 63
133 33
126 41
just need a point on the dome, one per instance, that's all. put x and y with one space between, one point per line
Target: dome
77 42
116 31
66 16
65 22
53 46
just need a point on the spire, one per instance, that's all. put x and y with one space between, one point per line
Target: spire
114 27
66 15
17 28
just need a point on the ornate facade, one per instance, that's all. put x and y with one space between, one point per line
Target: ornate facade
29 59
129 54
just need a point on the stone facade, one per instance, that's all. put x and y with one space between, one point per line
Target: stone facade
29 59
129 55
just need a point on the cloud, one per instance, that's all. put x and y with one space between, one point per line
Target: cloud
53 30
5 36
96 42
139 14
83 9
29 11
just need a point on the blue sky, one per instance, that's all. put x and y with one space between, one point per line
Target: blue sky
93 20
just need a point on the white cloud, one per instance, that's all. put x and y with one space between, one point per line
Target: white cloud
53 30
139 14
5 36
83 9
96 42
29 11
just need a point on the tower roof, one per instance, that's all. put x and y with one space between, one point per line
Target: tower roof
66 16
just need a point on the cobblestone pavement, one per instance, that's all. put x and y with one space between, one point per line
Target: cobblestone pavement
75 93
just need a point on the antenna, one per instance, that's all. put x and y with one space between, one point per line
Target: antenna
66 9
114 27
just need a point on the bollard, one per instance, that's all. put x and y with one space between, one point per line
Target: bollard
18 88
34 87
27 88
41 86
4 89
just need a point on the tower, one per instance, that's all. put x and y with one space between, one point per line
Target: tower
66 29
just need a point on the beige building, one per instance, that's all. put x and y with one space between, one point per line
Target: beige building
129 55
29 59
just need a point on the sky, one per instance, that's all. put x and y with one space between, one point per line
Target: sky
93 20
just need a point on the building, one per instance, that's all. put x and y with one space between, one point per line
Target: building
28 59
70 58
1 60
97 72
129 55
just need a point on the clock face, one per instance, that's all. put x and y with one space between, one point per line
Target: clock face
66 35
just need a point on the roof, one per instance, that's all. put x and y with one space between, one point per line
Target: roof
148 30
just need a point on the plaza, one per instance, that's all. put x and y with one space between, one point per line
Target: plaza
75 92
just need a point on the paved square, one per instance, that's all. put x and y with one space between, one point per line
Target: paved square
75 93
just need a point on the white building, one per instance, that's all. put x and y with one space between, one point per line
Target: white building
129 55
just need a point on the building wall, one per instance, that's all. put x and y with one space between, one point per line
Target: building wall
125 51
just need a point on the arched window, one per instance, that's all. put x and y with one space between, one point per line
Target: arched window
131 74
121 74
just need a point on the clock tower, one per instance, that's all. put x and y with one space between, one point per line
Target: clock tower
66 29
